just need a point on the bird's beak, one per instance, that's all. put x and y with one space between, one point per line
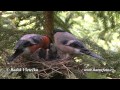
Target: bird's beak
17 53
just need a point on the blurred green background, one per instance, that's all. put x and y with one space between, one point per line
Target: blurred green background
99 30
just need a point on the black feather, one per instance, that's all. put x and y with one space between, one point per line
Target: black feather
77 44
27 43
64 42
42 53
21 44
58 30
36 40
17 53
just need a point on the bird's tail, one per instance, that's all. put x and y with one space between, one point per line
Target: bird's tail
87 52
17 53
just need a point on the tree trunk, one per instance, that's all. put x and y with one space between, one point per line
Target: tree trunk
49 23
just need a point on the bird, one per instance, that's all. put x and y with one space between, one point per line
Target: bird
70 45
29 43
52 53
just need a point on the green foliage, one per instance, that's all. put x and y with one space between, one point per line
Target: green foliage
93 75
99 30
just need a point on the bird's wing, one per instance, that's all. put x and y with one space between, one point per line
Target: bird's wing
75 44
79 45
